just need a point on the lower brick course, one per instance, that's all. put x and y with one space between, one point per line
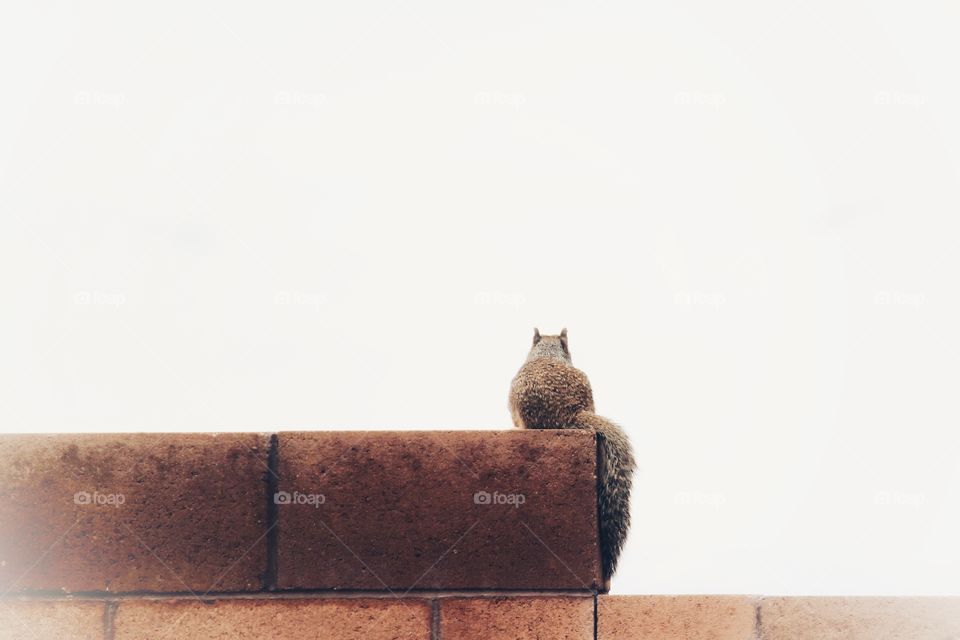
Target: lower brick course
518 616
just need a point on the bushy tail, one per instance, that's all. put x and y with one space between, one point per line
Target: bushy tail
616 465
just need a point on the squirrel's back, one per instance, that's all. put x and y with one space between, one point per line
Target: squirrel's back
548 394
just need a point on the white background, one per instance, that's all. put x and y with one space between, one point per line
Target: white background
348 215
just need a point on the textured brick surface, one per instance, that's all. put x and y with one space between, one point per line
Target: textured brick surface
39 620
517 618
860 618
676 618
400 510
290 619
192 514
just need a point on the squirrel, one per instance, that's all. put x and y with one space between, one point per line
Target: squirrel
550 393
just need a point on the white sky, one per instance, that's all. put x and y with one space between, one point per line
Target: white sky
300 216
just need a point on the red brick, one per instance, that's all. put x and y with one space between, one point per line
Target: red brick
860 618
676 618
51 620
290 619
400 510
517 618
192 517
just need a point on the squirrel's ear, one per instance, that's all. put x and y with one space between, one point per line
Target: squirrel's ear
536 335
563 339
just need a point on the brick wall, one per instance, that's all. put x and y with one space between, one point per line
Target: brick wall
340 535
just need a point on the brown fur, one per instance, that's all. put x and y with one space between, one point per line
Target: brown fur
550 393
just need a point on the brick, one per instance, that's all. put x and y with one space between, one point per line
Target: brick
400 510
517 618
192 515
51 620
290 619
676 618
860 618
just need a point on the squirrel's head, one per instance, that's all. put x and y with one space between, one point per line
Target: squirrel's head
553 347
